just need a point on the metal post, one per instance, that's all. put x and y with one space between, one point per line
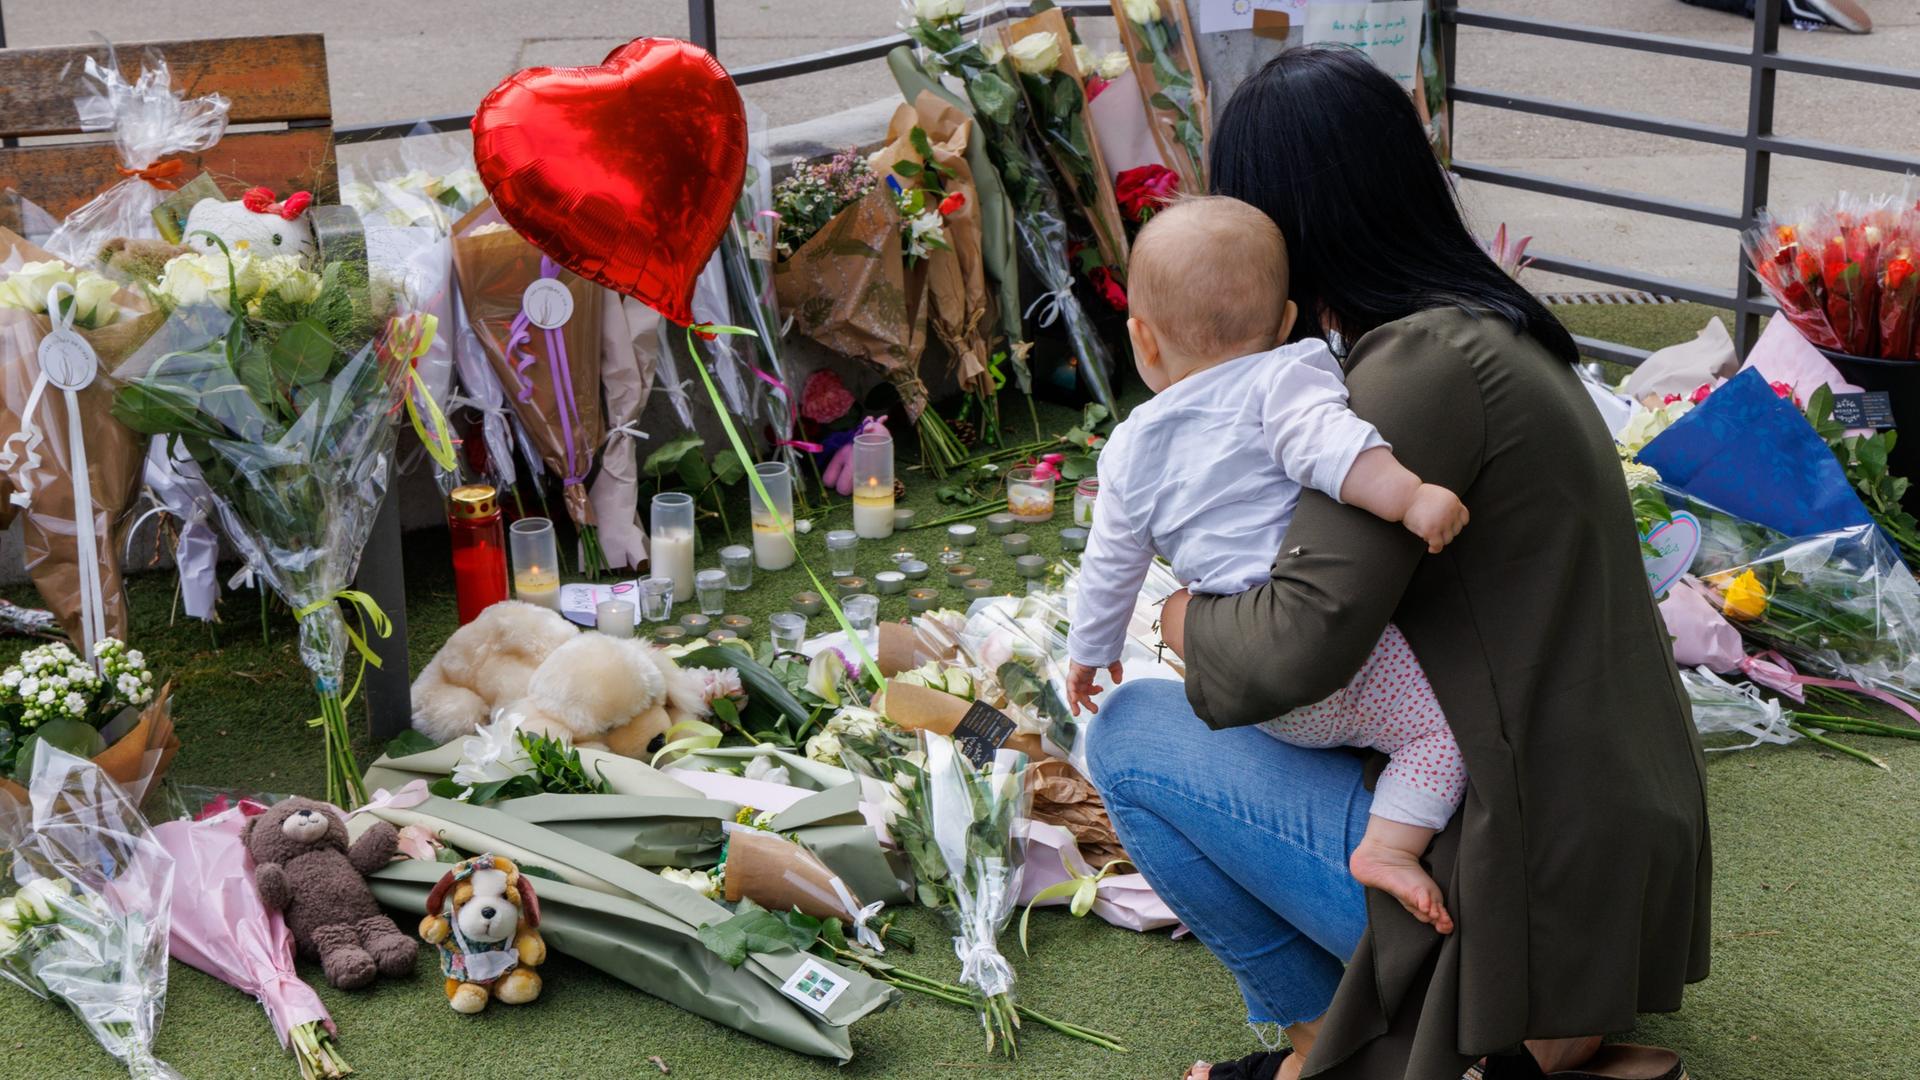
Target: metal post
383 576
1759 171
701 27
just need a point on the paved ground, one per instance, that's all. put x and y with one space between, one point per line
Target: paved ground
396 61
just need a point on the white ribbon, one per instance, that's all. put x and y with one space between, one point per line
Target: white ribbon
982 967
1731 707
243 578
630 429
411 794
93 606
1054 301
861 917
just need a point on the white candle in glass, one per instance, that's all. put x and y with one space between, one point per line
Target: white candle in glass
536 562
672 542
772 543
873 484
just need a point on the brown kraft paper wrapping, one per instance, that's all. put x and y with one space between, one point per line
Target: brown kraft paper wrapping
849 289
136 759
115 454
780 875
495 266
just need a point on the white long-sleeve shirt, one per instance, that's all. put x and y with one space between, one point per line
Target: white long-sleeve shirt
1206 475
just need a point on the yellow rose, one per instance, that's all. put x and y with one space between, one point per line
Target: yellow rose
1036 54
1745 599
1142 11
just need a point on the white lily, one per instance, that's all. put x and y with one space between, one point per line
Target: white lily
823 676
493 752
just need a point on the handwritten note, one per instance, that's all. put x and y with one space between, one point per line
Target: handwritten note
1387 32
1223 16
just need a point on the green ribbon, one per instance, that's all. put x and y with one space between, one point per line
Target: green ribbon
753 476
1084 888
409 337
369 614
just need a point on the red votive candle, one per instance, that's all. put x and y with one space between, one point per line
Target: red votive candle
479 549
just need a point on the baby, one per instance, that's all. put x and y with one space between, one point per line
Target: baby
1206 475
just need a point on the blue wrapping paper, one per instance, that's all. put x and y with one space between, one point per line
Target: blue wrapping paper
1752 454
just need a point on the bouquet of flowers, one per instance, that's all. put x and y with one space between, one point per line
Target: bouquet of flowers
279 379
1159 37
1040 223
74 468
50 694
228 933
1844 273
86 919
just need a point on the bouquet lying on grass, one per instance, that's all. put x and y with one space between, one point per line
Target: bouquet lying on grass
85 918
280 380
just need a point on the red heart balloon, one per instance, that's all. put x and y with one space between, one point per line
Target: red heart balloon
625 173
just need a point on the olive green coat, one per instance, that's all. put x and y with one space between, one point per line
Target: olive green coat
1577 869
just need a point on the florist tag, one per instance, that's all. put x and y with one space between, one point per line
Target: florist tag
1675 543
1871 409
67 359
548 303
982 732
814 985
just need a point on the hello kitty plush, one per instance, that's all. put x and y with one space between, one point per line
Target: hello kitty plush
256 224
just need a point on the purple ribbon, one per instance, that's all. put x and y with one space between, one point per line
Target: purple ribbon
520 335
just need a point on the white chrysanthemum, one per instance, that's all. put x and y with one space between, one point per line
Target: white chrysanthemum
1639 475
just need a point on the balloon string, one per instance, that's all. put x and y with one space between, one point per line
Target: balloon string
793 413
520 337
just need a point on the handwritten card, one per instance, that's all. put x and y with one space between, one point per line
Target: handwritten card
1225 16
1387 32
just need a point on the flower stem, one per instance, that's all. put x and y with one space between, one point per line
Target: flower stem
1839 747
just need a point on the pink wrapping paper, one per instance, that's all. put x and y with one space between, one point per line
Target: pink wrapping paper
223 929
1125 900
1702 637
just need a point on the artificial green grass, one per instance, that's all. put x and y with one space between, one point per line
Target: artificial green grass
1817 869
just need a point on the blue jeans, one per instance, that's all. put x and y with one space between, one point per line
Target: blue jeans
1245 837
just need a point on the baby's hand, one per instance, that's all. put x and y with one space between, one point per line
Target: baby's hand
1080 688
1435 515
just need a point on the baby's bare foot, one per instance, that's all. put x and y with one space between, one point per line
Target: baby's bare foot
1399 874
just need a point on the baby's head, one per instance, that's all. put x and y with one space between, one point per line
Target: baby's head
1207 282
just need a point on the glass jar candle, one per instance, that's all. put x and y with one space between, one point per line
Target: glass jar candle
614 618
863 615
841 544
737 561
536 562
656 599
1084 493
788 630
672 541
1029 494
711 588
772 522
873 484
479 541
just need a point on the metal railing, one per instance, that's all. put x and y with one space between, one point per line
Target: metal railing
1757 140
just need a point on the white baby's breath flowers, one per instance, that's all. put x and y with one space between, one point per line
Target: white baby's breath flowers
1036 54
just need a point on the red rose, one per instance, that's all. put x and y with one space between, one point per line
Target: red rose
1899 269
1701 393
952 203
1109 287
1785 391
1145 188
1095 84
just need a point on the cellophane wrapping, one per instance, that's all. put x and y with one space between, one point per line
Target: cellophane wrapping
84 918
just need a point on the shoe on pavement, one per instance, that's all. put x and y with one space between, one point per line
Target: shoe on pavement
1845 14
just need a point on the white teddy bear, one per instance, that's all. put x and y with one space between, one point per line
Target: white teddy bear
255 223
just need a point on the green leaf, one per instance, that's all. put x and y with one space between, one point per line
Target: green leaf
668 456
1077 467
763 687
727 467
694 471
907 168
1161 101
921 144
754 929
1094 415
302 354
409 742
993 95
726 711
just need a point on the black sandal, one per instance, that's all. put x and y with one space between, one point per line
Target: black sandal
1616 1061
1261 1066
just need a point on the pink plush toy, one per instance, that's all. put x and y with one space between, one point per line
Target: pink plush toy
839 474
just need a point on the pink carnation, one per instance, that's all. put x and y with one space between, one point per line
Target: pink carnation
825 398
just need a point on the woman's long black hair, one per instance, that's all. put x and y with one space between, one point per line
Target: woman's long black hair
1332 149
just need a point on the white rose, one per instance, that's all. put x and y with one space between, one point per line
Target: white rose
93 305
1114 64
1036 54
283 276
993 51
1142 11
187 280
1084 59
8 939
30 283
36 899
9 914
824 747
698 880
938 11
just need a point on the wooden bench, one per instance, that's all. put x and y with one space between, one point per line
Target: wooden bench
277 87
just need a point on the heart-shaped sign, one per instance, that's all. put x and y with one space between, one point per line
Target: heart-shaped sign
625 173
1675 543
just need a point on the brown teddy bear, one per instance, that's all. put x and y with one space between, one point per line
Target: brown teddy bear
304 869
484 919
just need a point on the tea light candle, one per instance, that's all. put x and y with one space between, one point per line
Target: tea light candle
807 603
902 518
959 573
914 569
962 535
844 587
614 618
948 557
1000 524
669 635
1030 566
719 636
1073 539
739 624
695 623
872 463
890 582
1016 543
901 556
921 601
975 588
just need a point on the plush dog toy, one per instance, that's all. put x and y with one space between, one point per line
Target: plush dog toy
304 869
484 665
484 919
